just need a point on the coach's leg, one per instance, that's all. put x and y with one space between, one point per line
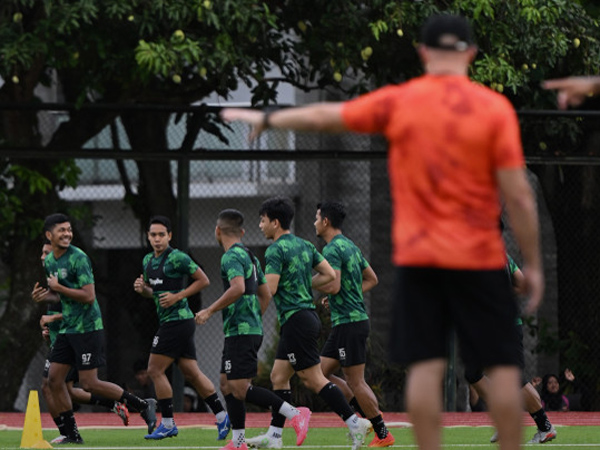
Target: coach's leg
505 402
424 401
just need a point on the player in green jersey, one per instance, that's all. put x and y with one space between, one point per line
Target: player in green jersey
290 262
245 298
162 281
346 346
50 324
80 340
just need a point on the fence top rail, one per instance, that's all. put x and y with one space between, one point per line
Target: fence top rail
155 107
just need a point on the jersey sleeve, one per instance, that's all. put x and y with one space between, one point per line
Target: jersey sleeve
369 113
507 146
317 258
233 266
144 265
83 270
182 263
274 261
333 257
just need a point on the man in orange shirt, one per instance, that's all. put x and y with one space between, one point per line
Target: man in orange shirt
454 149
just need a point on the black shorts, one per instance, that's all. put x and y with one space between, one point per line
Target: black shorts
478 304
240 356
298 340
73 375
84 351
175 339
348 343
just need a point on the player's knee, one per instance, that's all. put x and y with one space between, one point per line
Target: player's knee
473 375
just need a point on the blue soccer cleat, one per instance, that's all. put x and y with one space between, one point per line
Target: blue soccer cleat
162 432
223 428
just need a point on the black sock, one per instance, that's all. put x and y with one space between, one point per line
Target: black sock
70 426
336 400
60 425
541 420
129 399
237 412
263 397
97 400
379 426
214 403
356 406
165 406
277 420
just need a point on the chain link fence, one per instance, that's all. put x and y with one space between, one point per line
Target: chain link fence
192 171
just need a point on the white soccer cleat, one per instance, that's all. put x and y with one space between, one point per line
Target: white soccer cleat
494 437
542 437
359 433
264 441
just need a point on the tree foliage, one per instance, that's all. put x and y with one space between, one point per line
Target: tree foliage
181 51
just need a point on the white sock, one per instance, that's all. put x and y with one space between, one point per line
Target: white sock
352 421
288 411
239 437
168 422
275 432
221 416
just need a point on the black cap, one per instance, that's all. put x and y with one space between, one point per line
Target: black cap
447 32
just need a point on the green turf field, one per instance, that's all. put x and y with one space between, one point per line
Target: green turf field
573 438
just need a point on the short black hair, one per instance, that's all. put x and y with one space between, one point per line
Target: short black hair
54 219
231 221
162 220
335 212
46 241
280 208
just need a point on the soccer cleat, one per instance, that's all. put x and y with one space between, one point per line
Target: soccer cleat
149 414
300 424
62 440
162 432
494 437
230 446
542 437
223 428
387 441
359 433
264 441
121 410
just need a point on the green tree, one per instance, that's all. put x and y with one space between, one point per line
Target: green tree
175 52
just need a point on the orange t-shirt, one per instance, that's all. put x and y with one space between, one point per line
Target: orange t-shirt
447 138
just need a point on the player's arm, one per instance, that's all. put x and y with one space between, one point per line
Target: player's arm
236 289
325 116
141 287
264 297
333 287
168 299
49 318
370 279
41 294
86 294
572 91
325 274
518 281
272 282
522 212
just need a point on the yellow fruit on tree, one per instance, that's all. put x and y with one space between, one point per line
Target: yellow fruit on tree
337 77
176 78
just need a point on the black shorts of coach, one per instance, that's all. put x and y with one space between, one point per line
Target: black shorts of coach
478 304
298 340
347 343
175 339
84 351
240 356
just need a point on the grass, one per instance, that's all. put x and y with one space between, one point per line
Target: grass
571 438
